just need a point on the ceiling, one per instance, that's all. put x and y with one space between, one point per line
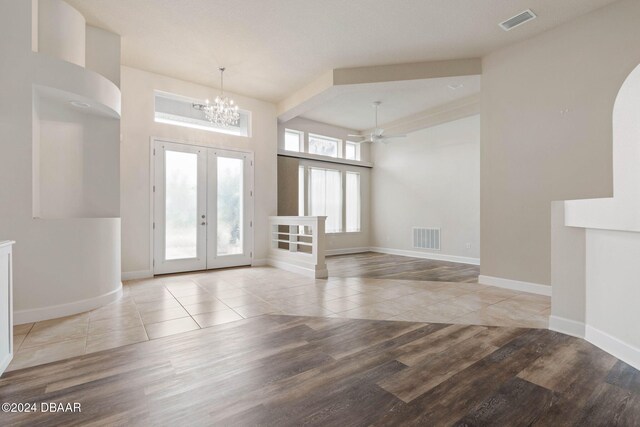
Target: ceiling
274 47
353 109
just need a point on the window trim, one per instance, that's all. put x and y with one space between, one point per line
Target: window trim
324 159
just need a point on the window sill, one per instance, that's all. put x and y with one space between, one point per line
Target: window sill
327 159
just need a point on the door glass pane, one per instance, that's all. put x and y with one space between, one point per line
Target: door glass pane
230 208
181 214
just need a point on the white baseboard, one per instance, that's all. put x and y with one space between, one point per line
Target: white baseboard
134 275
294 268
259 262
516 285
427 255
567 326
62 310
346 251
614 346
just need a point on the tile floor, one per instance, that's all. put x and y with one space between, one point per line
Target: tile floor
168 305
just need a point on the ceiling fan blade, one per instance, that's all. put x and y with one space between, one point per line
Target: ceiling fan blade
393 136
356 136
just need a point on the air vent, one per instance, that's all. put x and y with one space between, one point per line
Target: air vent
518 20
426 238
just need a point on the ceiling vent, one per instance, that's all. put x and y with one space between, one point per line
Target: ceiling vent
518 20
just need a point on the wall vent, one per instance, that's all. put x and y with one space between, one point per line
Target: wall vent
518 20
426 238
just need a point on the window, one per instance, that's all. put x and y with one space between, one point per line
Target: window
323 145
352 201
325 197
293 140
352 151
301 190
178 110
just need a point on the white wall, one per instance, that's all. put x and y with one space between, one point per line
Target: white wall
61 31
613 291
336 243
547 132
103 53
138 126
429 179
66 265
77 168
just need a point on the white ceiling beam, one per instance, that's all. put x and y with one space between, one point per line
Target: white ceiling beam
310 96
410 71
449 112
339 80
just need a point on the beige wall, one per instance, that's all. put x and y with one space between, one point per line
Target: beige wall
547 133
138 126
429 179
288 186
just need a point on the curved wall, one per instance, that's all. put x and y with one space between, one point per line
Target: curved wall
97 90
65 266
69 264
61 31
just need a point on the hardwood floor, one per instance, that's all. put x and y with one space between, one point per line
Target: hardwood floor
383 266
286 370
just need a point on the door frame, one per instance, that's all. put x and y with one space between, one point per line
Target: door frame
199 262
247 198
250 208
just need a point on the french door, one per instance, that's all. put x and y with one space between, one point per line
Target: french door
203 208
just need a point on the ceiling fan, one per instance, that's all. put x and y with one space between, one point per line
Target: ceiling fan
377 135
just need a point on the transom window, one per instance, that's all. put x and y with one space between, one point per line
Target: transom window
300 142
178 111
323 145
293 140
352 151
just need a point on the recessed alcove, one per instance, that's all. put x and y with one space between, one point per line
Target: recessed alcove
76 157
65 161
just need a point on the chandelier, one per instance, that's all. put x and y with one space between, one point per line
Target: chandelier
222 112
